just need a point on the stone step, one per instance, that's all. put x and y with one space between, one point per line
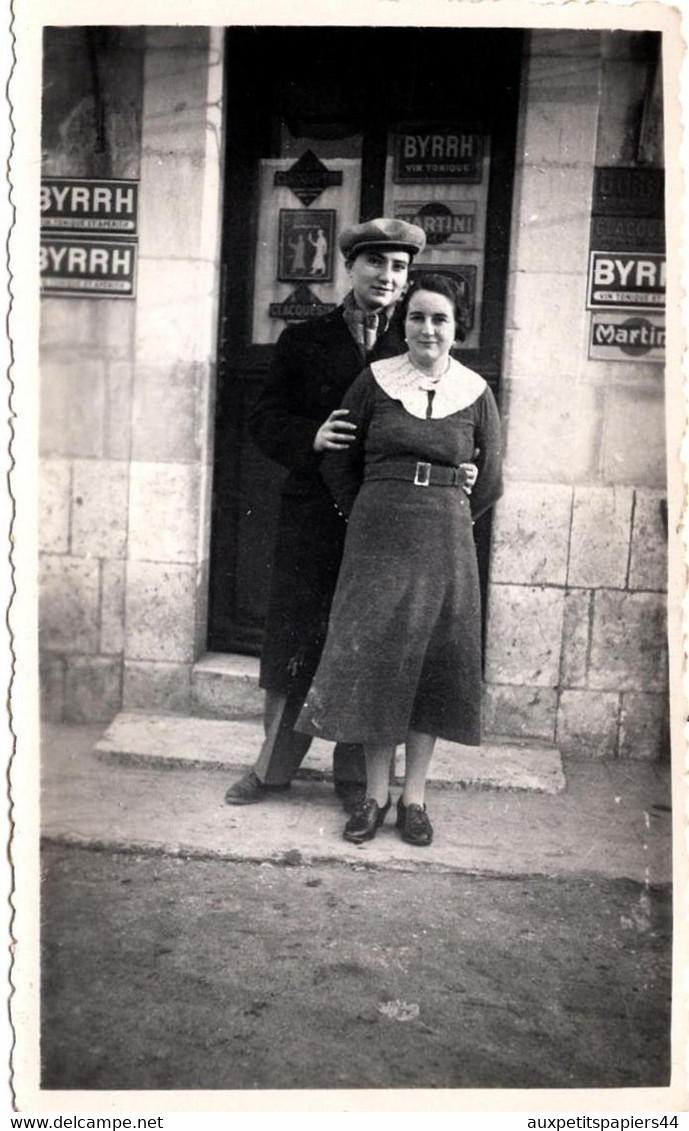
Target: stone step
225 686
173 741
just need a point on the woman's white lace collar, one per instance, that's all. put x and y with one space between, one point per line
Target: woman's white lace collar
456 389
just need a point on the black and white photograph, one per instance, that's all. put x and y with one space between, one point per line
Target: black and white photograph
348 565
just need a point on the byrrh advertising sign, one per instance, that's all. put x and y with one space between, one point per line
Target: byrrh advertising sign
89 205
437 155
73 267
88 237
622 279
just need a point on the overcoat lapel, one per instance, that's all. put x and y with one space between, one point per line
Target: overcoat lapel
341 349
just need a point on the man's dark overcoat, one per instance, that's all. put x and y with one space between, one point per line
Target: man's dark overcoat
314 364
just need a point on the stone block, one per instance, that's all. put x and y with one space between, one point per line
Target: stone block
553 211
170 218
202 600
628 642
160 41
556 132
118 411
112 608
642 375
587 723
164 504
633 444
206 511
99 508
55 476
157 687
547 325
71 407
160 611
101 329
176 301
648 564
576 633
519 712
51 678
169 404
552 430
624 84
68 604
93 688
645 727
181 151
601 531
524 635
530 534
117 324
175 92
205 410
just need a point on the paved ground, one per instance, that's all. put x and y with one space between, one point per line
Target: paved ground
187 944
612 820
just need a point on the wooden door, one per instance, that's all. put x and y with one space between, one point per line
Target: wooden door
381 111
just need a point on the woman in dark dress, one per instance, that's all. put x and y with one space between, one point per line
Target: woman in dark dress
402 659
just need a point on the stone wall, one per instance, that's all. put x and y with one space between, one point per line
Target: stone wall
126 394
576 638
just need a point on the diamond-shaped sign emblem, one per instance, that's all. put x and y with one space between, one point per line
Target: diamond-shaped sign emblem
308 177
301 304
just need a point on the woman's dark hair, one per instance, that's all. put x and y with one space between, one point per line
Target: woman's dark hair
441 285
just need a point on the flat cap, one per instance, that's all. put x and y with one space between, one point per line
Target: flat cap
384 232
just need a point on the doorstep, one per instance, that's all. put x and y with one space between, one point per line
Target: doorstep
225 685
174 741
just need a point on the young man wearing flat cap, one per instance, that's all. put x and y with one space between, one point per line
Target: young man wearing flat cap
296 420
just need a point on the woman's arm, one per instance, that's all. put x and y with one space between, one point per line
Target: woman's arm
343 471
488 438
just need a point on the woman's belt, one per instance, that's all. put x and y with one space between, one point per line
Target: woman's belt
420 474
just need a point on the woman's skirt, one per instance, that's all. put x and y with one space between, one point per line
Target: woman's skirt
403 649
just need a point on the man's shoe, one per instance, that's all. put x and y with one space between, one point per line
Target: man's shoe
250 789
352 794
365 822
414 823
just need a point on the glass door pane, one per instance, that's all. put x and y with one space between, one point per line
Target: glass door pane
436 176
303 202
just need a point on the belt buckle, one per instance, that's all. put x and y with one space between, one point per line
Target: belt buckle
422 478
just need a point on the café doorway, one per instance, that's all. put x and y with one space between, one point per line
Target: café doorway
326 126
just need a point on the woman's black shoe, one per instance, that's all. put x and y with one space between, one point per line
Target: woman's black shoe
414 823
365 821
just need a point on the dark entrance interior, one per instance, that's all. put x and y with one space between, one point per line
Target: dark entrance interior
343 94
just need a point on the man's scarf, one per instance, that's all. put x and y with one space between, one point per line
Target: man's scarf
364 327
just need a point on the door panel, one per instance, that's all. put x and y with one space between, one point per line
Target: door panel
343 95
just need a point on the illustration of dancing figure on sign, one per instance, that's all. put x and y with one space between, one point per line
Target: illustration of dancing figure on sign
297 252
320 244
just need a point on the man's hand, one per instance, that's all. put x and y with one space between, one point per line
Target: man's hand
334 434
469 476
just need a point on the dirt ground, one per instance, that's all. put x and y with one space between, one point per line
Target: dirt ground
160 972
